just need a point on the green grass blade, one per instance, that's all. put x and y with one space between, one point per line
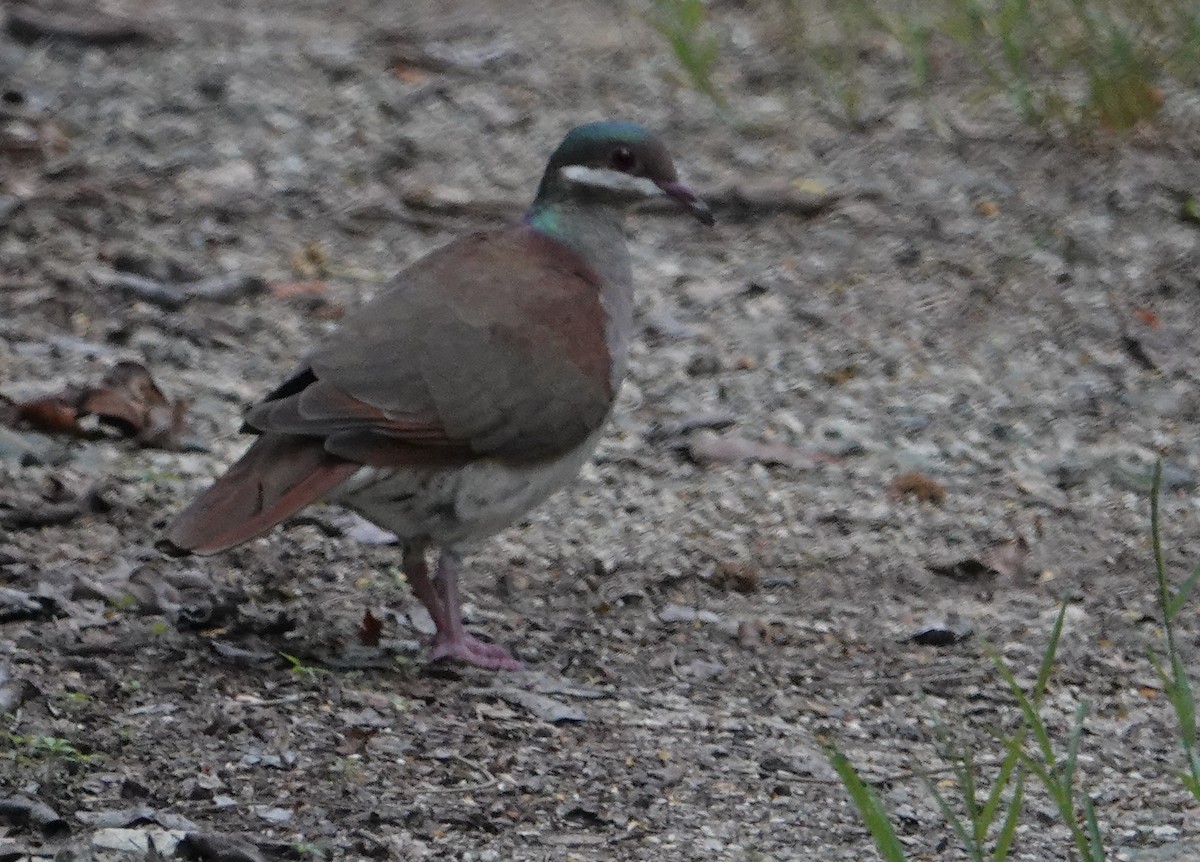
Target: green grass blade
1008 831
1192 780
1180 693
1096 843
1176 683
1068 771
1063 800
1033 721
1047 666
1179 598
966 775
869 807
970 844
1007 769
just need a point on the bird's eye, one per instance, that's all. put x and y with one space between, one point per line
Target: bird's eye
623 159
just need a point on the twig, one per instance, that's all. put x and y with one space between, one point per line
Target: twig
471 788
26 24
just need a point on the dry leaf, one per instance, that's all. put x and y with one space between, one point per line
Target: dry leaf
290 289
739 577
409 74
127 400
330 311
52 414
838 376
130 401
1148 317
368 632
916 483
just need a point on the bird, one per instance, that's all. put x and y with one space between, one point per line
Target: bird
468 390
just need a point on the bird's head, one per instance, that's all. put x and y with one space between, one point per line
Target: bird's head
618 162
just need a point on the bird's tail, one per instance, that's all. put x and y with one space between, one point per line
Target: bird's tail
278 476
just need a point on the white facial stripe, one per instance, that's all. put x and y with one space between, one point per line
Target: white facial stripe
612 180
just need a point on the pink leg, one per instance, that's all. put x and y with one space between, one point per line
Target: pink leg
417 572
452 640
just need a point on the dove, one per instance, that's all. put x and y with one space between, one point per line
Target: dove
468 390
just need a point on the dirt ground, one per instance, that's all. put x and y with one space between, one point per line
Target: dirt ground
941 291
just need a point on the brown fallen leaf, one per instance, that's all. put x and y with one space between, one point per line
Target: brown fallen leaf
130 401
752 633
739 577
917 484
30 138
409 74
330 311
1148 317
52 414
369 630
127 401
289 289
838 376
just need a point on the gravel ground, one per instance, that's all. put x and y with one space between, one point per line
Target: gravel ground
913 382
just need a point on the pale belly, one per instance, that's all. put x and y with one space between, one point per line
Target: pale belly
449 507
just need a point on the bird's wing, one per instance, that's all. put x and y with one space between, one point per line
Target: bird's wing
492 346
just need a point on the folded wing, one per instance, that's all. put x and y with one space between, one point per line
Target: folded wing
492 347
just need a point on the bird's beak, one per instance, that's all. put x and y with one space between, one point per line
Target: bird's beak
688 200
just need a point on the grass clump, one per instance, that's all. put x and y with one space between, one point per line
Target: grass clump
1170 667
1074 65
1079 63
43 747
986 817
687 30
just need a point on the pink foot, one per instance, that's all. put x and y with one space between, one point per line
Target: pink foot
473 651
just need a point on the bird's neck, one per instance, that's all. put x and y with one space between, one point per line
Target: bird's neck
596 232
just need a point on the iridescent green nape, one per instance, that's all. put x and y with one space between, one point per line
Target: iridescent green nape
545 220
